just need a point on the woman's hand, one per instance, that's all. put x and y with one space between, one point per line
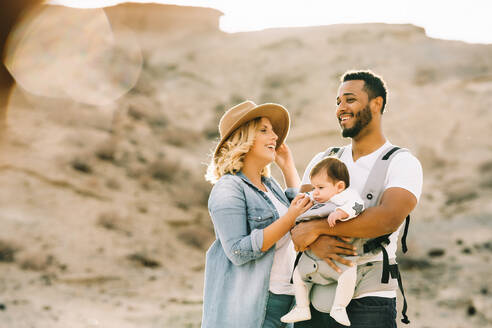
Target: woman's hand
285 161
300 204
330 248
283 156
280 227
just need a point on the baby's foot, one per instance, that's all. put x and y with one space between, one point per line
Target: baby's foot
340 315
297 314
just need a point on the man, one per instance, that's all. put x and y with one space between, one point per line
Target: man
360 102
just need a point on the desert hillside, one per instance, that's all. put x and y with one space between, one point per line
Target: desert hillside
103 204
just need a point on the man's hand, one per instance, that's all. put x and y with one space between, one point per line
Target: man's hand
330 248
304 234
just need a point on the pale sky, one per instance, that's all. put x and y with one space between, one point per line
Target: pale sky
468 20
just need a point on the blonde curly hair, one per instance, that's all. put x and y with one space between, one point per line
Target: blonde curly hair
230 158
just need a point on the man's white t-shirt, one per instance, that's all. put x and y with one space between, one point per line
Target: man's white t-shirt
404 171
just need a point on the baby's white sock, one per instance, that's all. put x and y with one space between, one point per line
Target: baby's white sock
343 295
297 314
301 311
340 315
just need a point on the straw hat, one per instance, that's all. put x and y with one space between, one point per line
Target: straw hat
247 111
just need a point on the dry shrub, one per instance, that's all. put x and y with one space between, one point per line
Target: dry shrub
141 157
191 56
146 182
486 167
148 111
142 207
35 260
436 252
106 151
424 76
430 159
280 81
486 182
112 220
460 196
192 192
157 121
135 170
7 251
193 77
235 99
211 132
196 237
165 170
407 263
181 137
270 97
137 112
144 85
112 183
81 165
143 260
220 108
485 172
287 43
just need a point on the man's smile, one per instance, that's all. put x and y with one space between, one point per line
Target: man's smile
343 118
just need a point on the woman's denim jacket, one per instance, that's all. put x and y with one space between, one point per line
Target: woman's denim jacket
237 272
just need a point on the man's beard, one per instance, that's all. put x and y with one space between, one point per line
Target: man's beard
362 119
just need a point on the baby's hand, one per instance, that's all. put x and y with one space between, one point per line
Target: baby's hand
336 215
332 218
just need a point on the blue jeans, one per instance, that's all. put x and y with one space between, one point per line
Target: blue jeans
277 306
366 312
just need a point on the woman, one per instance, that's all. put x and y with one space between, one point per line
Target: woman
249 266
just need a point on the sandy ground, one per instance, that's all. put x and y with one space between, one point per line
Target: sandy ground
103 204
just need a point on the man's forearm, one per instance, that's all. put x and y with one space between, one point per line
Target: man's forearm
374 221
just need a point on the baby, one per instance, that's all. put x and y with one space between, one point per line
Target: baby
333 199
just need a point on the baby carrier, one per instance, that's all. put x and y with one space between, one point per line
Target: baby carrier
371 194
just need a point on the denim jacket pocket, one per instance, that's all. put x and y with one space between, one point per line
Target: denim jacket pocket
260 218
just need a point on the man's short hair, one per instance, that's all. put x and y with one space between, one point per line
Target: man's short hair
374 85
335 170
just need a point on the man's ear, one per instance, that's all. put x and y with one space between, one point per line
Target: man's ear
376 104
340 186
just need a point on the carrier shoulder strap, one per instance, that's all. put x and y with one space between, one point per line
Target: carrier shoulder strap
373 189
334 151
372 193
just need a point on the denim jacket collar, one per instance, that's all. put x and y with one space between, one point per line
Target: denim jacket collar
273 186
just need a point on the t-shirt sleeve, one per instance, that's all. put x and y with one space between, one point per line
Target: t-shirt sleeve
405 171
305 178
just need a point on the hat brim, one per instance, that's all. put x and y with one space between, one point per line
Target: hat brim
277 114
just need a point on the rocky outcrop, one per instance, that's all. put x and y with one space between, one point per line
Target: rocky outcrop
156 18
